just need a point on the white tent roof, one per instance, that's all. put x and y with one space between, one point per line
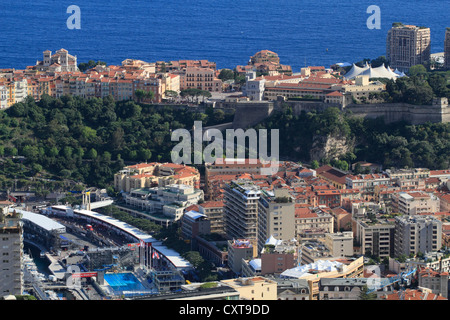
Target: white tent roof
273 241
378 72
355 71
302 271
399 73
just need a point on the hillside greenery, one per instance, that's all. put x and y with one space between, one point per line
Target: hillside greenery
65 141
88 140
392 145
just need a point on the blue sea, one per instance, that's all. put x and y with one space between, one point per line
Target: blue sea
302 32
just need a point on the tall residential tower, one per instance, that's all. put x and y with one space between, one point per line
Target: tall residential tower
241 210
407 45
11 280
447 49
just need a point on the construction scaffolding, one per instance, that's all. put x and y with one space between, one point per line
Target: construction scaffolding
111 259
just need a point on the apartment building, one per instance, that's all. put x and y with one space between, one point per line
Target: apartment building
312 223
171 82
311 251
171 66
230 167
276 216
409 178
278 256
414 234
11 278
330 198
342 219
194 224
57 75
444 203
241 199
239 250
200 78
254 288
214 211
367 182
447 49
374 238
340 244
170 200
414 203
436 281
146 175
153 83
407 45
3 96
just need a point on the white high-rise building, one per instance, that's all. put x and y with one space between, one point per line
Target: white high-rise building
241 210
414 234
11 244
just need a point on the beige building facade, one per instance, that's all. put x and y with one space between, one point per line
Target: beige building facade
447 49
11 242
254 288
408 45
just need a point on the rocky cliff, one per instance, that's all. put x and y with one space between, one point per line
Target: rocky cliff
330 147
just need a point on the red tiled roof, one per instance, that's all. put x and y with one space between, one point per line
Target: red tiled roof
211 204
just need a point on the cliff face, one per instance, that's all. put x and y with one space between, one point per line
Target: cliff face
330 147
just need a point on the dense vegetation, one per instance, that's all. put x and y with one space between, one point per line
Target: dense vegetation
418 89
88 140
393 145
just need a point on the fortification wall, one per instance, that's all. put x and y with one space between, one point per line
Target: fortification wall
308 106
392 112
250 113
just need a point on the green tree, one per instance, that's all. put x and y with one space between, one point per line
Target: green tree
145 154
194 258
417 70
226 74
365 295
171 94
83 66
92 154
140 94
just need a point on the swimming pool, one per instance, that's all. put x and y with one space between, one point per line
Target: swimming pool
123 283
